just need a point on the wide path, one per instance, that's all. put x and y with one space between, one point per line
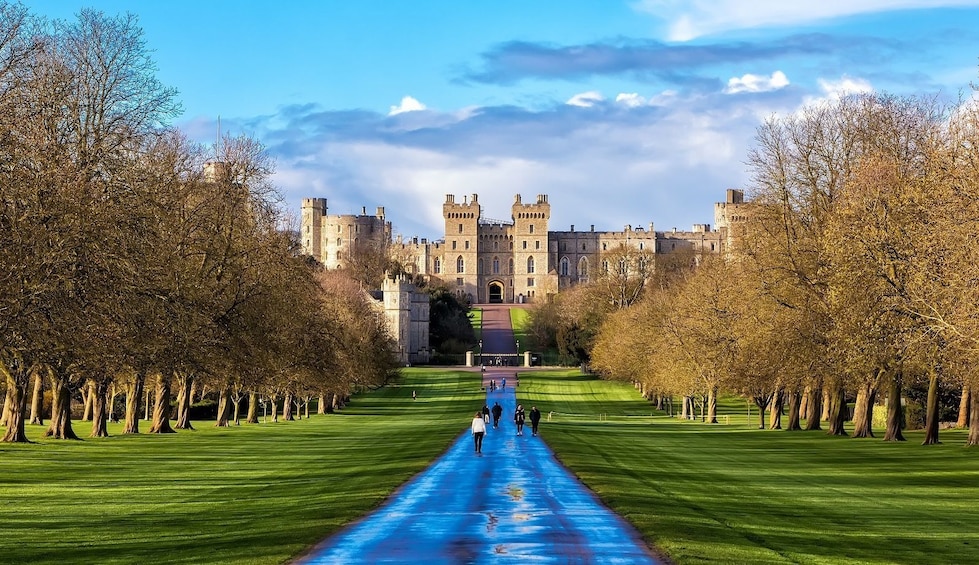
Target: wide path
514 503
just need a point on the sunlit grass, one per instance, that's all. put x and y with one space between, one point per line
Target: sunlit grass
736 494
251 494
520 320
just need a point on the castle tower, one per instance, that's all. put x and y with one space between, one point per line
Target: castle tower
459 259
530 249
311 228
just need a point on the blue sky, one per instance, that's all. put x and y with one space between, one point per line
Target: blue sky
623 112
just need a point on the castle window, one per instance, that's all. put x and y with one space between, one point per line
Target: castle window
640 246
496 246
565 264
582 246
531 228
339 242
530 281
583 268
467 244
338 255
604 266
711 246
604 246
496 265
525 244
537 244
511 246
510 268
460 265
479 267
530 264
459 281
338 229
438 265
453 244
460 228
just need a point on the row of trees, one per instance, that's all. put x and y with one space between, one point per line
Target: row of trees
852 279
133 257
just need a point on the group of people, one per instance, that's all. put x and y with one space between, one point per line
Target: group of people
492 384
482 418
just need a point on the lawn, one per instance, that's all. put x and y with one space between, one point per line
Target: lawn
736 494
520 321
476 320
250 494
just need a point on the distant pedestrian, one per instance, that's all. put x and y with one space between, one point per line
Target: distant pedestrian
486 414
503 384
497 413
518 418
534 420
414 395
478 431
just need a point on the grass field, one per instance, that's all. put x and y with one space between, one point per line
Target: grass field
736 494
702 493
251 494
476 319
520 321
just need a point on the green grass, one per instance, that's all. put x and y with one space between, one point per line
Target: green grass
476 319
735 494
520 320
251 494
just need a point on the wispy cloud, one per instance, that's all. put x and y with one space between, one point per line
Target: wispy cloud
408 104
690 19
756 83
673 63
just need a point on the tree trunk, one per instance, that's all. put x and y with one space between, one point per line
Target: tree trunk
814 408
964 404
825 403
37 402
60 426
761 403
99 393
837 410
146 406
252 417
236 408
134 392
15 407
184 400
224 408
684 414
795 410
274 402
775 414
659 402
931 413
895 414
973 420
863 411
321 406
331 398
6 410
87 401
161 408
287 408
712 405
803 403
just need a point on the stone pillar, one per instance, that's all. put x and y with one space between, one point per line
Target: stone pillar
469 359
526 359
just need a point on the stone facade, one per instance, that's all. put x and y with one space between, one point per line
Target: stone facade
406 310
520 260
331 238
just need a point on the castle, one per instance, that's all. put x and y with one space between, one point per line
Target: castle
521 260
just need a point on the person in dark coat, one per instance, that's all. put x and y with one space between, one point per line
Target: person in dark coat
534 419
497 413
518 417
486 413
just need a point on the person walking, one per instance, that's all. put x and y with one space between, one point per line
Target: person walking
478 431
518 418
497 413
486 414
503 384
534 420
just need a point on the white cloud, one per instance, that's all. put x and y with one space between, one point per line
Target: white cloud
756 83
630 99
689 19
586 99
408 104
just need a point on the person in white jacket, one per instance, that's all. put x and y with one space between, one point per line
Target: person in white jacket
478 431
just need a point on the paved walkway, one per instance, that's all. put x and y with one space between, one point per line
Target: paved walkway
512 504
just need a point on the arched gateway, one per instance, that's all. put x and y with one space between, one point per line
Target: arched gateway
496 292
